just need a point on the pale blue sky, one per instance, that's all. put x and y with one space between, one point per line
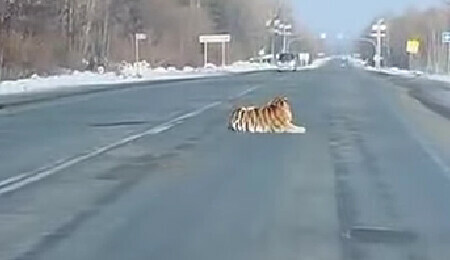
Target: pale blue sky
349 16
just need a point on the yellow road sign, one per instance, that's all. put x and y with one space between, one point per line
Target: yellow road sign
412 46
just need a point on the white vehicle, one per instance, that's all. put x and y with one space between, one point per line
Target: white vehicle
287 62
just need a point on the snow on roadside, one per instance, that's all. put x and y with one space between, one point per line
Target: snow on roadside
320 62
394 71
128 75
37 84
444 78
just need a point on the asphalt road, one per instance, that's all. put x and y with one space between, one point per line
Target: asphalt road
153 173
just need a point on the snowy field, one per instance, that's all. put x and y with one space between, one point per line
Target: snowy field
129 75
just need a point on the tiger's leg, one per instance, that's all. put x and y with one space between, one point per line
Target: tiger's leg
294 129
276 123
266 125
252 120
297 129
233 119
259 123
245 124
239 122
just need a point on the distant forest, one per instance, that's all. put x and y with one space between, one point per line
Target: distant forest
44 36
426 26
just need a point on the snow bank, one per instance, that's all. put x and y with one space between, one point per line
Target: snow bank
131 73
78 79
444 78
319 62
359 63
394 71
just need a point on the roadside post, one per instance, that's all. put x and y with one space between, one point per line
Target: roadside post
139 36
379 32
261 54
446 40
273 27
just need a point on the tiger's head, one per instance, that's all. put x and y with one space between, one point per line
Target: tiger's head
282 104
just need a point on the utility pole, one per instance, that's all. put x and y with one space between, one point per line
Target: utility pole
138 36
380 32
1 62
286 31
446 40
273 28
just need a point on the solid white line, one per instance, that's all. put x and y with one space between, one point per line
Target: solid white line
426 146
20 181
12 179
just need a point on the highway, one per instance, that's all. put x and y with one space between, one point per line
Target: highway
152 172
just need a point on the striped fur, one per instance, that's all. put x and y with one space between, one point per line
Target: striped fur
275 117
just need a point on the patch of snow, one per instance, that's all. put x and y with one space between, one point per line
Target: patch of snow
394 71
188 69
160 69
443 78
130 73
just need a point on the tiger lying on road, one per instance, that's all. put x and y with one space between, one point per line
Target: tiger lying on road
275 117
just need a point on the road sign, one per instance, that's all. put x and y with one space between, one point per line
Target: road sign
446 37
382 35
141 36
287 26
214 38
383 27
412 46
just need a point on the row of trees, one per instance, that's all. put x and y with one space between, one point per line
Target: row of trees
427 27
41 36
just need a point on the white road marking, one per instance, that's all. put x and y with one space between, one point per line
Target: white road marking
245 92
426 146
22 180
12 179
17 182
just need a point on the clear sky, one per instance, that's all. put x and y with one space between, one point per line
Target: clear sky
349 16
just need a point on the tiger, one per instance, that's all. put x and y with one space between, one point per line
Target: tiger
274 117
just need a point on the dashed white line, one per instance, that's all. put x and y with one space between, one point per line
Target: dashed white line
20 181
17 182
12 179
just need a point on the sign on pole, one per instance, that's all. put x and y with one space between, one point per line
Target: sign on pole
446 37
215 38
374 35
446 40
383 27
412 46
141 36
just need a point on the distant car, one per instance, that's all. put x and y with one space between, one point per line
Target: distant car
287 62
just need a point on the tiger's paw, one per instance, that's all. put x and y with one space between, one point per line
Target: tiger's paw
297 130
